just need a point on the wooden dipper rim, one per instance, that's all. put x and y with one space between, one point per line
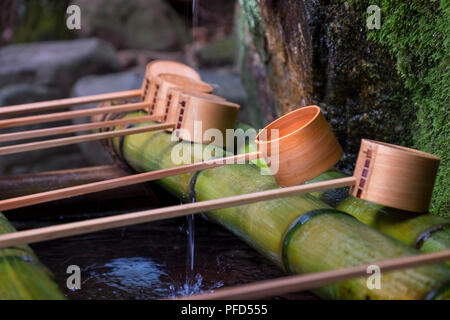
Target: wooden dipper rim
395 176
158 67
155 68
158 95
306 146
210 112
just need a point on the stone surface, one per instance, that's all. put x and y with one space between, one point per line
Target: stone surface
282 38
25 93
319 54
386 84
260 101
45 71
136 24
55 64
93 151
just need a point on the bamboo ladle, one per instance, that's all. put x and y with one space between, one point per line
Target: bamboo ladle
158 96
153 69
306 148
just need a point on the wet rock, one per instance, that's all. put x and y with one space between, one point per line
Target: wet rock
319 54
136 24
55 64
95 84
44 71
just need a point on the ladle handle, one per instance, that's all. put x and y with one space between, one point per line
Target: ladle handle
53 195
285 285
52 117
65 103
53 143
31 134
93 225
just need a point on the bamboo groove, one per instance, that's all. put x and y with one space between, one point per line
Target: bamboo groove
328 241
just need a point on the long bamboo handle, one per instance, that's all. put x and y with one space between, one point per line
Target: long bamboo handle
29 134
47 144
53 195
52 117
284 285
65 103
93 225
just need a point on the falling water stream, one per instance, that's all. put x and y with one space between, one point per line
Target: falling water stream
192 284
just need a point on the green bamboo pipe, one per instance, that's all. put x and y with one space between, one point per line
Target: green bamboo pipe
22 276
427 232
329 239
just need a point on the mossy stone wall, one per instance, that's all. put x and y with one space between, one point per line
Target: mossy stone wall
389 84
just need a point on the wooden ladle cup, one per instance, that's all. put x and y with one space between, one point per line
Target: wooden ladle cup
306 146
395 176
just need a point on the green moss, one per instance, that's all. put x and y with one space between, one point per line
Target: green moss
255 24
417 35
43 20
